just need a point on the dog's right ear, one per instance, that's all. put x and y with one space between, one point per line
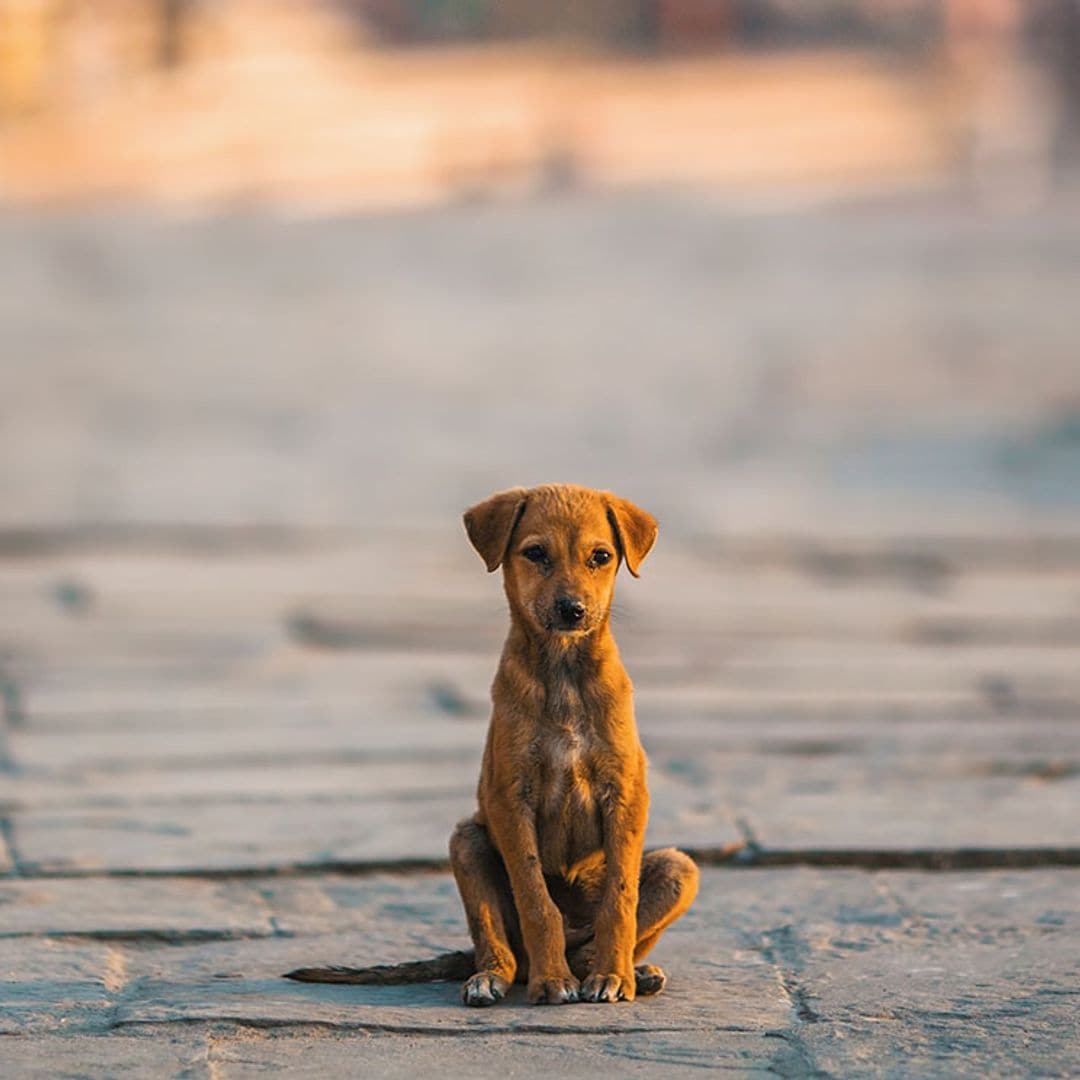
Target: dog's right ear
491 524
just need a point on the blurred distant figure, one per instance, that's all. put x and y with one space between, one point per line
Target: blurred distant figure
1008 107
693 24
173 18
1056 39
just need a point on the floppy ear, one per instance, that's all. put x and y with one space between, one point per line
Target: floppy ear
635 531
491 524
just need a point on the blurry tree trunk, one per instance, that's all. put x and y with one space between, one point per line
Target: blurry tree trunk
26 31
1063 41
173 21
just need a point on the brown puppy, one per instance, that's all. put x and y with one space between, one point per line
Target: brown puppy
551 869
556 889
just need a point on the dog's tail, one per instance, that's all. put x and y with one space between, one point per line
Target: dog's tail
451 965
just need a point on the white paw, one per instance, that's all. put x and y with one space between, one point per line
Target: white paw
483 989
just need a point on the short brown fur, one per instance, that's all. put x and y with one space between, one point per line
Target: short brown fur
551 868
557 890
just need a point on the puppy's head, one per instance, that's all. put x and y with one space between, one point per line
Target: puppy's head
560 546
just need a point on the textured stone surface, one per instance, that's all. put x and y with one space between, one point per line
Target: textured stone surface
232 1053
179 1054
50 985
244 837
983 979
845 694
184 909
799 972
772 371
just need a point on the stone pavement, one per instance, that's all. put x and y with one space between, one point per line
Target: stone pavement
795 972
245 649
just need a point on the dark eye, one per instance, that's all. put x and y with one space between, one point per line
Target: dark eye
535 553
600 557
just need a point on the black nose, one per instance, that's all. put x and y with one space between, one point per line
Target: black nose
569 610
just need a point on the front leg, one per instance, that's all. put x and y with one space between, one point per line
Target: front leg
513 828
625 808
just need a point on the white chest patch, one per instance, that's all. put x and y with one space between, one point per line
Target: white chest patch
565 752
566 767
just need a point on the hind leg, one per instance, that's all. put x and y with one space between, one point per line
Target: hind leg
489 909
669 883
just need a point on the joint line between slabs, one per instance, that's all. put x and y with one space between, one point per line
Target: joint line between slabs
738 856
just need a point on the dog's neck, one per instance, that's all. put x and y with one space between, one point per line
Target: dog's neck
571 673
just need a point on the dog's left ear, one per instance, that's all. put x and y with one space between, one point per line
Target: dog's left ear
635 531
490 524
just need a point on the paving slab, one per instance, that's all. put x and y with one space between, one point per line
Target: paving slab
181 1055
238 784
861 801
51 985
209 836
132 909
957 974
714 985
196 837
1007 1006
319 734
170 971
226 1052
834 785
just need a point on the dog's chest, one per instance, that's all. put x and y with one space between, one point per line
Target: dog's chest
563 758
565 745
568 818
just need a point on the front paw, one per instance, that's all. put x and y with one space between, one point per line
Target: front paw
484 988
608 986
557 990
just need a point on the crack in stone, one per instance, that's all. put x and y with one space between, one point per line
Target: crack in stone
167 538
930 859
250 758
737 855
781 948
82 804
151 937
296 1026
7 840
242 873
265 897
14 712
748 851
794 1062
7 762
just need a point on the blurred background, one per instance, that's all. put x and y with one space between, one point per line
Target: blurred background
337 104
285 285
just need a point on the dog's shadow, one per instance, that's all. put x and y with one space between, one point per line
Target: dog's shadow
428 995
408 996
